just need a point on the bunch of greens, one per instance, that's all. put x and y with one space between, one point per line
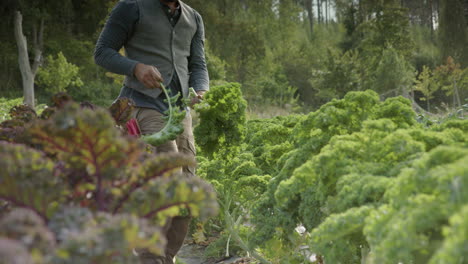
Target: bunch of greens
173 127
222 119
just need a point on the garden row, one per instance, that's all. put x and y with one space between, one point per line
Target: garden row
358 181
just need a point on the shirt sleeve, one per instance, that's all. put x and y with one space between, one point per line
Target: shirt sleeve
117 30
199 79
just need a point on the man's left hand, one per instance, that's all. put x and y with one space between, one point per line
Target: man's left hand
197 99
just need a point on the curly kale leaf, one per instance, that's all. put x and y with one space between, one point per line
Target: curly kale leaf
222 120
28 180
372 141
12 252
28 227
106 238
455 246
170 196
422 200
333 237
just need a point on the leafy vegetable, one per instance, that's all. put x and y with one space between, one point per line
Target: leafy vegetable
222 119
121 110
173 126
95 190
365 180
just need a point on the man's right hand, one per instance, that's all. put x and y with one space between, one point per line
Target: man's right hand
148 75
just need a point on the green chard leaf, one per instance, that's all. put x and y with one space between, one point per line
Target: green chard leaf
173 127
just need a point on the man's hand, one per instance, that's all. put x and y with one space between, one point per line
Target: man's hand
148 75
197 99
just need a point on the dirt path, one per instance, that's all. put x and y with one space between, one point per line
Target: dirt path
193 254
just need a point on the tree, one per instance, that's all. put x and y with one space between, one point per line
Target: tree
390 74
58 75
341 75
452 78
425 84
389 26
453 31
310 14
421 12
319 12
28 72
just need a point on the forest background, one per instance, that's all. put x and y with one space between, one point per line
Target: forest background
288 55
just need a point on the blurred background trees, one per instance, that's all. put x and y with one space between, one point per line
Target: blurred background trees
285 53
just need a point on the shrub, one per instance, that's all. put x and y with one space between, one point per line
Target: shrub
58 75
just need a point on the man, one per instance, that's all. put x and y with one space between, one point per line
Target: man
164 43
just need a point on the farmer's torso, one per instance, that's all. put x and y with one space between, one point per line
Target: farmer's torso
157 42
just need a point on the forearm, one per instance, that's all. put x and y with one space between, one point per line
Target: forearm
112 61
117 30
199 79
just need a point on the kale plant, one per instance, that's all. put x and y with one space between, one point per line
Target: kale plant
89 193
362 177
222 120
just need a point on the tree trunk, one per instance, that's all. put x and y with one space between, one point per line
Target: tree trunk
405 92
456 95
28 73
310 12
244 4
431 8
319 11
326 12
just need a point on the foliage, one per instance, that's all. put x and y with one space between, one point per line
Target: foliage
222 118
454 247
341 75
101 93
6 106
357 174
78 51
77 158
392 72
216 66
426 51
58 75
276 91
173 126
234 170
452 79
278 49
422 192
425 85
388 27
